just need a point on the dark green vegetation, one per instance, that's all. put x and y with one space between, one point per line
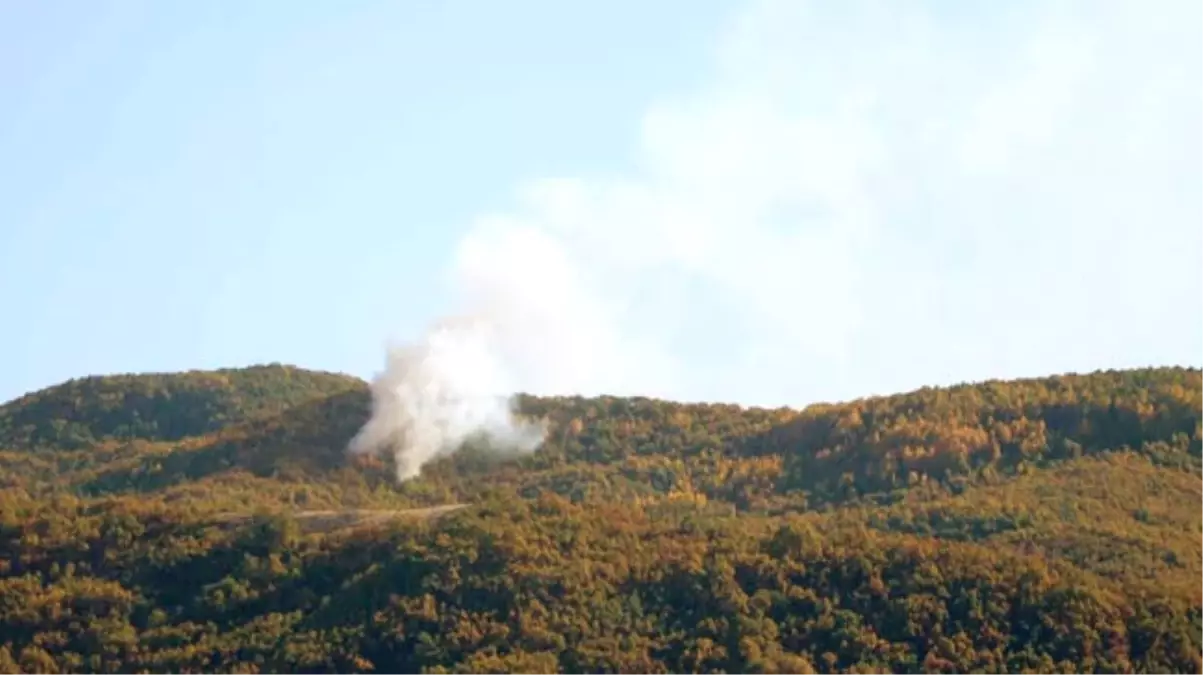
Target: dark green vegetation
182 523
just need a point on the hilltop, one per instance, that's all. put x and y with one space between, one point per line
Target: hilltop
159 406
211 520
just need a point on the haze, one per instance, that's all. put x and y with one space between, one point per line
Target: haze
760 202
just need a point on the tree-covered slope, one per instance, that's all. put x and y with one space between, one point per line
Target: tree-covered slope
1044 525
157 407
294 425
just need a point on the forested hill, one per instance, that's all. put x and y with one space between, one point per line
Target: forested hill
211 521
159 407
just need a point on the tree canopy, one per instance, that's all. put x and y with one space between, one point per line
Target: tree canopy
212 522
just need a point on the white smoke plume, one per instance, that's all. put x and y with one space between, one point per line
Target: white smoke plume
435 395
862 198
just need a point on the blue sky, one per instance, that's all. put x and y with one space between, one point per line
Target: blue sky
768 202
205 184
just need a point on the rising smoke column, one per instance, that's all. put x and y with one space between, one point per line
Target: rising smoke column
437 393
847 166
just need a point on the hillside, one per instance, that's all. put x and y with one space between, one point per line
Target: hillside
158 407
210 521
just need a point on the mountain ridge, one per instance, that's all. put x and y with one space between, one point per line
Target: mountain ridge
133 405
1037 525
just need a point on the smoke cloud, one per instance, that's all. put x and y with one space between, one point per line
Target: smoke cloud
440 392
862 198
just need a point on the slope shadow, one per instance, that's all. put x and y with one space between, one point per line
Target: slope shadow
158 407
305 441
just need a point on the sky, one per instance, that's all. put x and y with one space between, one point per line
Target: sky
771 202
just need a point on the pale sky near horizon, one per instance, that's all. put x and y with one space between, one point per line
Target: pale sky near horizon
767 202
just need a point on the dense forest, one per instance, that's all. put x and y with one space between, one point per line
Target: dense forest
212 522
